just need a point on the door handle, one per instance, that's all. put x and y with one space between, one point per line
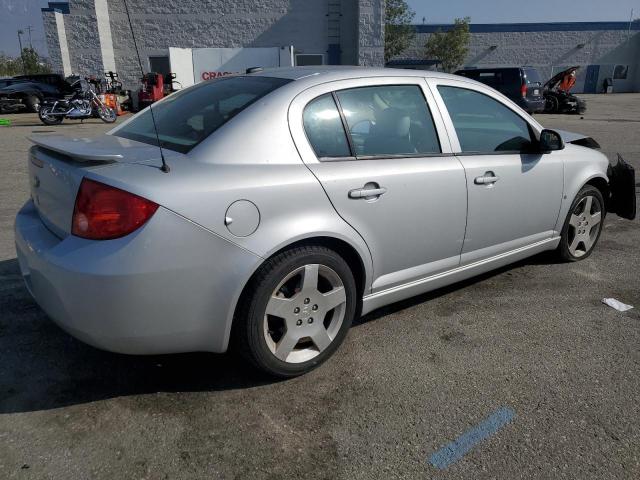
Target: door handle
367 192
488 178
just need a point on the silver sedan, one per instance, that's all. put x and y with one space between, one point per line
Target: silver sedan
294 200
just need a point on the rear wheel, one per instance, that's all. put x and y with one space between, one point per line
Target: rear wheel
583 225
296 312
47 118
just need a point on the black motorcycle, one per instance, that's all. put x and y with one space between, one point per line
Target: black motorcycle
79 103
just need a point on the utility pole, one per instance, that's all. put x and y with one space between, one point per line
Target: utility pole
24 68
29 28
630 22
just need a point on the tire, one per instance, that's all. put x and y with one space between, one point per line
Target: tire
33 103
552 104
289 341
107 114
586 215
49 120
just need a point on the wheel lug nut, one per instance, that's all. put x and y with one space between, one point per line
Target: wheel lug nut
299 322
296 310
310 320
306 301
314 308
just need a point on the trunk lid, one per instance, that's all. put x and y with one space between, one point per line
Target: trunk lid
57 165
532 80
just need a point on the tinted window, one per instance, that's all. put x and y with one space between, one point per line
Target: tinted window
389 120
532 77
187 117
492 79
512 77
483 124
324 129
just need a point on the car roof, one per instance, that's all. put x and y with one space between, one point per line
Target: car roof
333 72
492 69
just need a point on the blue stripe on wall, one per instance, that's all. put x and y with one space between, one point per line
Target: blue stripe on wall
535 27
62 7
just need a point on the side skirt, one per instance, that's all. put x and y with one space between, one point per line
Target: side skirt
428 284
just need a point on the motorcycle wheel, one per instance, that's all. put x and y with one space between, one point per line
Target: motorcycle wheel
47 119
107 114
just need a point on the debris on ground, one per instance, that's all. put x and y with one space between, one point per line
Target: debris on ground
613 303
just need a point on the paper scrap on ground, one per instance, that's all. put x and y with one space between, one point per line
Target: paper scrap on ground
613 303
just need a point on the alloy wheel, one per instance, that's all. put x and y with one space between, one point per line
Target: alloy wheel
584 226
304 313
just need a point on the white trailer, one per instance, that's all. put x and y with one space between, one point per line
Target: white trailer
194 65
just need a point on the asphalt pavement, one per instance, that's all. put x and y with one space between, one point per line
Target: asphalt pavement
521 373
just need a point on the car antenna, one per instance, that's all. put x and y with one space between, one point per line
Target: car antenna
165 168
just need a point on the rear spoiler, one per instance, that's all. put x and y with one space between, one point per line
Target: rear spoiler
79 149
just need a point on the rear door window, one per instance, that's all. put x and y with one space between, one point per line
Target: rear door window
389 121
484 125
186 118
324 129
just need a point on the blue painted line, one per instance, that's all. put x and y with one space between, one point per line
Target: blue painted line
454 451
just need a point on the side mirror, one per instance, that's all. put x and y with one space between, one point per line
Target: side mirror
550 141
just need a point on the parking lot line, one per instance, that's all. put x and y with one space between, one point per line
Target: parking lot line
454 451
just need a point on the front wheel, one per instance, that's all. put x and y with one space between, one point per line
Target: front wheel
583 225
107 114
296 311
552 104
45 116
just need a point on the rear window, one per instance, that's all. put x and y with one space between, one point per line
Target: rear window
186 118
532 76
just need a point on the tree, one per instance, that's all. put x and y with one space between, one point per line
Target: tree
398 31
451 47
14 66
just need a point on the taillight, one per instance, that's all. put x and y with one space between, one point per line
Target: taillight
103 212
524 90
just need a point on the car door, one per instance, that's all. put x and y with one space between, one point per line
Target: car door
380 150
515 192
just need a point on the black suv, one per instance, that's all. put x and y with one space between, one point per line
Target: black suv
523 85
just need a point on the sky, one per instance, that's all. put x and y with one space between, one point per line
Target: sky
512 11
18 14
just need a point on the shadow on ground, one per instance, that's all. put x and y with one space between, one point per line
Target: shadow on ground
42 367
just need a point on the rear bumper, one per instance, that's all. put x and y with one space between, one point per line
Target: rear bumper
169 287
532 106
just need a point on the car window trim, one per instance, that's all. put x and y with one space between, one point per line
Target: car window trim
345 125
347 130
385 157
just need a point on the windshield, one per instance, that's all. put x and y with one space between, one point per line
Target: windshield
186 118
